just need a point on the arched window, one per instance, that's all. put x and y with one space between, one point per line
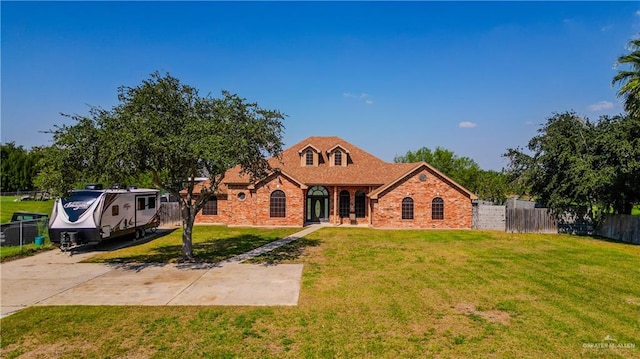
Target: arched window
277 204
210 207
309 157
345 203
337 158
407 208
437 208
360 204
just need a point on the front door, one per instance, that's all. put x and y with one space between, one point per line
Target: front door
317 204
317 209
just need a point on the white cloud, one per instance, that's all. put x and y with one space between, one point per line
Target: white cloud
606 28
361 96
467 124
638 13
599 106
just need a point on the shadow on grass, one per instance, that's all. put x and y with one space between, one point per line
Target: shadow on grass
208 253
287 252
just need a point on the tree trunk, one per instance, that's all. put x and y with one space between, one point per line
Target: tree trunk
188 217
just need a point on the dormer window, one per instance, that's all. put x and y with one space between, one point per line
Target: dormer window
309 157
338 156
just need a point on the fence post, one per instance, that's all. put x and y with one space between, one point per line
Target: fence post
20 236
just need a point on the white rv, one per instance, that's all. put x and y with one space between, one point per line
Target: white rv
92 215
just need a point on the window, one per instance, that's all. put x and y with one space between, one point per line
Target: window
437 208
337 158
115 210
242 196
407 208
210 207
152 202
344 204
309 156
278 204
360 204
140 203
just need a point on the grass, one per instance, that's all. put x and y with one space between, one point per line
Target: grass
8 205
210 244
14 252
387 294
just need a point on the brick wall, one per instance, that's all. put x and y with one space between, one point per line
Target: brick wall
254 208
388 208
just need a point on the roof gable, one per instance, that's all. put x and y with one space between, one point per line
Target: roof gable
363 169
418 167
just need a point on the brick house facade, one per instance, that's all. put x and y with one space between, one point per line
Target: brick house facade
328 180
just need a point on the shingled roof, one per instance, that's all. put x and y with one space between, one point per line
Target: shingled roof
362 168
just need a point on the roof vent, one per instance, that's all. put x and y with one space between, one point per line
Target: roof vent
93 186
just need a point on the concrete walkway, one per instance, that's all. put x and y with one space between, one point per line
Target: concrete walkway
55 278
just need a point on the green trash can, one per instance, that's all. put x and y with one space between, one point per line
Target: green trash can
38 240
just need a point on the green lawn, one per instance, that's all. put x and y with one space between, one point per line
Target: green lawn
8 205
382 294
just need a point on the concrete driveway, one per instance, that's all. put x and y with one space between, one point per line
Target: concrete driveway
55 278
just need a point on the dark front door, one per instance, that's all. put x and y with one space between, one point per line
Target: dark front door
317 209
317 204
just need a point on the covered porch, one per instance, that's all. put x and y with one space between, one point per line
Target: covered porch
338 205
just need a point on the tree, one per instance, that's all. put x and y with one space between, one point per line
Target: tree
617 159
488 185
575 162
164 129
18 167
560 171
629 79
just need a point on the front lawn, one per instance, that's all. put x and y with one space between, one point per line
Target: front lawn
211 244
383 294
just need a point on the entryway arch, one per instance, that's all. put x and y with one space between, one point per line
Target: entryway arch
317 204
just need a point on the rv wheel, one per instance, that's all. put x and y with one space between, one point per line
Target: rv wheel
139 233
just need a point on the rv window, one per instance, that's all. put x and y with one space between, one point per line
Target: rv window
115 210
141 203
152 202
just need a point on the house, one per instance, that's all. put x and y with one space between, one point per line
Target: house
329 180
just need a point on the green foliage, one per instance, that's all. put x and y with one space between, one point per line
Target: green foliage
575 162
487 185
164 132
629 80
18 167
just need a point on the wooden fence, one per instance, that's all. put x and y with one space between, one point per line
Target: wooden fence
622 227
169 213
530 220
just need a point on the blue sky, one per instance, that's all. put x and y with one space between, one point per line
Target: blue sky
472 77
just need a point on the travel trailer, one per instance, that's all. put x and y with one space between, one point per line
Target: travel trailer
92 215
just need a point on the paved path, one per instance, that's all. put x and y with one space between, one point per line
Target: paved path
55 278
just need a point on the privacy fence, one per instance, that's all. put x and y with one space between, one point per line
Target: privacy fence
20 233
621 227
525 218
169 213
